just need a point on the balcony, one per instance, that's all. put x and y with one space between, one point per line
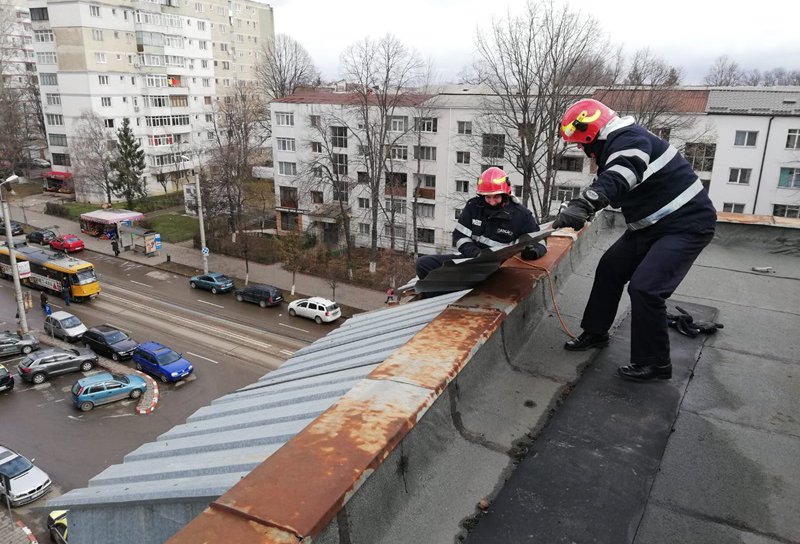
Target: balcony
425 192
396 190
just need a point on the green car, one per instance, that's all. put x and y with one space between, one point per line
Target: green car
214 282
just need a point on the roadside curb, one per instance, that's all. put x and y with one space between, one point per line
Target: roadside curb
27 532
153 401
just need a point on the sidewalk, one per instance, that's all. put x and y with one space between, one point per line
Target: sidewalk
361 298
13 532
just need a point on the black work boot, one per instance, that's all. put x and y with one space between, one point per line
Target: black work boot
643 373
587 340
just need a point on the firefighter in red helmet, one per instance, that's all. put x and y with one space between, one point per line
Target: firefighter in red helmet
669 217
493 218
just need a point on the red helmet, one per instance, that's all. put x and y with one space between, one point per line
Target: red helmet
494 181
583 121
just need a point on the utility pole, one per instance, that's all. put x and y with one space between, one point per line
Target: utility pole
199 217
23 318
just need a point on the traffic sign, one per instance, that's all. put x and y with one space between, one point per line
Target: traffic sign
206 251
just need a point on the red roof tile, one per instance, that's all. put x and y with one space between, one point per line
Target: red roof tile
325 96
676 100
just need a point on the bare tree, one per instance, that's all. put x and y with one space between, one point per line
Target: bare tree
93 149
723 73
283 66
382 72
535 65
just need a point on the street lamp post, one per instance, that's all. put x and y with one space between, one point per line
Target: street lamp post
199 198
23 318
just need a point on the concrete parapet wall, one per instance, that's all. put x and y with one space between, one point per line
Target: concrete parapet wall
437 423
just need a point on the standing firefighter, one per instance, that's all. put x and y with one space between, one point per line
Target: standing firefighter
494 218
670 220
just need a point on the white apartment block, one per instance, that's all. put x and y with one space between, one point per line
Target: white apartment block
705 124
160 63
17 58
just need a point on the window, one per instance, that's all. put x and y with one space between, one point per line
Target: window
462 157
43 36
206 82
396 231
398 152
53 99
288 197
155 101
793 139
284 119
494 145
426 210
340 191
105 101
103 80
155 80
48 79
427 181
179 101
314 120
786 210
740 175
316 147
108 123
456 213
46 58
745 138
730 207
39 14
97 35
363 203
201 25
285 144
425 236
396 179
462 186
396 205
362 177
700 155
58 139
363 228
562 193
61 159
425 153
465 127
398 123
663 133
94 11
100 58
570 164
55 119
425 124
287 168
316 197
790 177
339 161
339 136
160 140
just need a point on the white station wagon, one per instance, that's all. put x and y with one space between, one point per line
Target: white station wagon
317 308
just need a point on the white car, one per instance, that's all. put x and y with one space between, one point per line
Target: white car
316 308
27 482
64 325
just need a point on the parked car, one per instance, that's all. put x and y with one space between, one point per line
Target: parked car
42 237
12 343
68 243
6 379
214 282
108 341
40 163
64 325
16 227
58 526
40 366
160 361
26 482
316 308
263 295
106 387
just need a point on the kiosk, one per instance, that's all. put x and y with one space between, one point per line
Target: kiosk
104 224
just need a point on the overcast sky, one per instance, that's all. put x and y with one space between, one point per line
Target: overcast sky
686 33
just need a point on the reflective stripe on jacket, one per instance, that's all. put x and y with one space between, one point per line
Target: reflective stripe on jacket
487 227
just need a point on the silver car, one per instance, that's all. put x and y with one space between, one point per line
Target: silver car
12 343
64 325
40 366
25 481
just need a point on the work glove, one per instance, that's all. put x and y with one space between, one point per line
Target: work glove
685 324
578 211
470 249
533 252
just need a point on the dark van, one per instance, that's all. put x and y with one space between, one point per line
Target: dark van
263 295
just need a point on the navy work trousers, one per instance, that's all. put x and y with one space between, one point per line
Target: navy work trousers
426 263
654 265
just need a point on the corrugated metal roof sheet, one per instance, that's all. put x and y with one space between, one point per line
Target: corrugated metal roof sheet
219 444
754 101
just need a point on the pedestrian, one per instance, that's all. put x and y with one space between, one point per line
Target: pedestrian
115 247
65 292
42 299
47 309
389 295
669 217
492 218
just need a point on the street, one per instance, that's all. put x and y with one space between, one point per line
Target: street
230 344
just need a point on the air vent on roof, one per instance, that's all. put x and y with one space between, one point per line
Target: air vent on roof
789 101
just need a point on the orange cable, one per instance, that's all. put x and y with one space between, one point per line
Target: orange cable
552 292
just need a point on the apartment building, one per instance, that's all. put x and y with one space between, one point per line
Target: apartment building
163 64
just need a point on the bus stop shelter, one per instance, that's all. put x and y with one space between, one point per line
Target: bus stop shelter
105 224
140 240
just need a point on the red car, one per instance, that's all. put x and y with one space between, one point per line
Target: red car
67 243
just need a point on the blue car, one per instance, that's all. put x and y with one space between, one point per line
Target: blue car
214 282
106 387
160 361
